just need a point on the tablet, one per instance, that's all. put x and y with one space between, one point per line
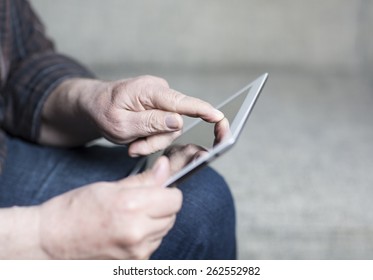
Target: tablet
202 142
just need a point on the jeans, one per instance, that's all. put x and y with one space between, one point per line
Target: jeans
205 225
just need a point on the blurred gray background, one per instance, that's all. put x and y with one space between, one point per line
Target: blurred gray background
302 173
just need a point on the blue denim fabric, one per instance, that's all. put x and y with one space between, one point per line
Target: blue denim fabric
204 228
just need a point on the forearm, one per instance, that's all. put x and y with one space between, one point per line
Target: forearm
19 233
64 123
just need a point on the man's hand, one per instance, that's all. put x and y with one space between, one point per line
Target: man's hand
142 112
120 220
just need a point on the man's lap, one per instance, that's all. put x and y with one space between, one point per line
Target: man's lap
205 227
32 173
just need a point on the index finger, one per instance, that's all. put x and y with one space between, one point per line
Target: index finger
221 131
167 99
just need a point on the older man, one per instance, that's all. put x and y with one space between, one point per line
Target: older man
61 199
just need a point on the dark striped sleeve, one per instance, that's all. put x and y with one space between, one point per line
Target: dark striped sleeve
35 71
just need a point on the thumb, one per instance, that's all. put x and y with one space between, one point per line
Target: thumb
150 122
161 170
155 177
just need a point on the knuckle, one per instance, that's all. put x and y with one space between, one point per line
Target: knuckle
190 149
129 203
115 126
176 98
150 122
134 237
154 80
111 116
113 129
163 82
117 90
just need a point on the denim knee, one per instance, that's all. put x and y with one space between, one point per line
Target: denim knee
205 226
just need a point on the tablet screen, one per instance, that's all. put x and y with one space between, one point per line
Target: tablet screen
201 137
201 142
201 133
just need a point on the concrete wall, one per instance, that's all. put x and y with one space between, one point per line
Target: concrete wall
319 33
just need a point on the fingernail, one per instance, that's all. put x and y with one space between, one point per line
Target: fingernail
172 122
219 114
